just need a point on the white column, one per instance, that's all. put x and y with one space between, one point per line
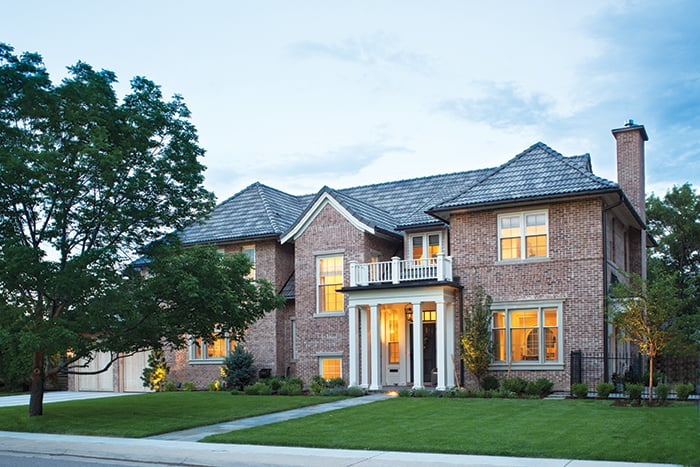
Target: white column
364 347
417 346
375 383
452 359
353 357
440 331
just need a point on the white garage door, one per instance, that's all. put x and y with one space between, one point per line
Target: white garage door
99 382
133 370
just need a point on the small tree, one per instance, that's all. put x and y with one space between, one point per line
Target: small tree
646 316
477 345
238 369
156 371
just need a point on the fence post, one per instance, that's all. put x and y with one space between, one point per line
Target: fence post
576 357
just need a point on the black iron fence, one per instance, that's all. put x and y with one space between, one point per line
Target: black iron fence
594 367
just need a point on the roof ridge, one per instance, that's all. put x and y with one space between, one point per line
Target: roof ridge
266 204
590 175
491 174
425 177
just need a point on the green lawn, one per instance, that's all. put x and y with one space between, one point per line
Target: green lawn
507 427
147 414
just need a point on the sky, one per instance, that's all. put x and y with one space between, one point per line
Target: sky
302 94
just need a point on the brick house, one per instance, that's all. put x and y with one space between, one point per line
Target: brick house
376 276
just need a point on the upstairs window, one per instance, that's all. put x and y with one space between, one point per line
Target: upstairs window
523 235
330 280
425 246
249 251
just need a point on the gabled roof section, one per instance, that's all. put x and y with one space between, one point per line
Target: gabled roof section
362 215
539 172
256 211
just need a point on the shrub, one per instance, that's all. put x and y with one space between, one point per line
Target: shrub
532 389
462 393
318 384
188 386
355 391
634 391
420 393
336 391
214 386
336 383
544 387
252 390
290 387
489 382
437 393
683 391
238 369
579 390
662 391
516 385
297 381
405 393
169 386
604 389
156 371
274 382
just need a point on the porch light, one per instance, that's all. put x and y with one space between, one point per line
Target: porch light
409 312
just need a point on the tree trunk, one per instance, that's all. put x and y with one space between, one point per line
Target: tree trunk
651 378
36 400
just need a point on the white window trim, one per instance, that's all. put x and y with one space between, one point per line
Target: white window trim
320 313
529 365
523 246
204 359
425 236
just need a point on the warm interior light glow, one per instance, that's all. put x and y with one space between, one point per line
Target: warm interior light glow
392 393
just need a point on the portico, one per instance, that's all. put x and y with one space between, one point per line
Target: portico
400 336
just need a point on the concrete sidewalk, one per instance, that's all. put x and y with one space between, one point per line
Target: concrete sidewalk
163 452
60 396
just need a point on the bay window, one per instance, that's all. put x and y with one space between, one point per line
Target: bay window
527 335
220 348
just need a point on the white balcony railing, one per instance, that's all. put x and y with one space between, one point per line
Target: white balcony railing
401 270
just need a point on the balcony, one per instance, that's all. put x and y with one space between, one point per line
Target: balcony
400 270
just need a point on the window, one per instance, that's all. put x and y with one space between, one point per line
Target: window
216 351
330 367
522 235
249 251
330 279
526 335
424 246
393 337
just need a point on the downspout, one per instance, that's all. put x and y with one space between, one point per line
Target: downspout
606 350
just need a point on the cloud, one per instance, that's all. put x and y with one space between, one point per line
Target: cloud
378 49
503 106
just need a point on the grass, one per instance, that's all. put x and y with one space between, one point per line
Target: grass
147 414
529 428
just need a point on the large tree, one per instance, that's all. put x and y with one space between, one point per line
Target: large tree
674 221
86 179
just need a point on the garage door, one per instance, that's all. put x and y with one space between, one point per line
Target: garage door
133 370
99 382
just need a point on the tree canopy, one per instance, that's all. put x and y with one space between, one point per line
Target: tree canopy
85 180
674 221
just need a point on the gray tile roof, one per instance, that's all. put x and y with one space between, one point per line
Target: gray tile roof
538 172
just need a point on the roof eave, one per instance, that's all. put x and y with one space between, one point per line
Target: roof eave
438 212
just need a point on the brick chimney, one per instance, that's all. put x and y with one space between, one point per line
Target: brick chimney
630 163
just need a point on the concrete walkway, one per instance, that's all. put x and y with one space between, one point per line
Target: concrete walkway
60 396
195 434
